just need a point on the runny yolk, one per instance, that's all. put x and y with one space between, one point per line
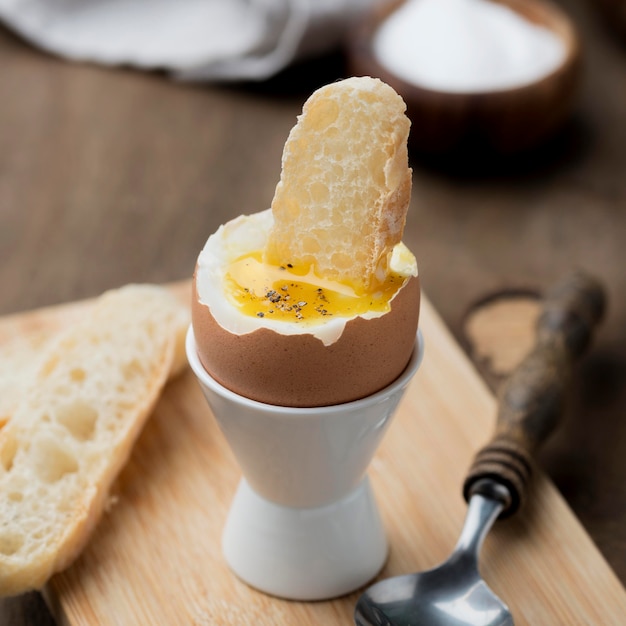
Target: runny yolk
287 294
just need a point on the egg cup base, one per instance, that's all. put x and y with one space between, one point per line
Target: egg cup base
286 552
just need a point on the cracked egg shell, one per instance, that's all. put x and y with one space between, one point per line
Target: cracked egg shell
287 364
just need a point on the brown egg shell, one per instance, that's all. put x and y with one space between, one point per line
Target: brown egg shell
299 370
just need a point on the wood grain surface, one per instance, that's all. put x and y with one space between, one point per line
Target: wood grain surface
109 176
155 557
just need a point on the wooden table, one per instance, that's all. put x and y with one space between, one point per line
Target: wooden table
109 176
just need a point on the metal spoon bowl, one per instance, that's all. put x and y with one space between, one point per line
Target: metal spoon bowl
530 404
452 594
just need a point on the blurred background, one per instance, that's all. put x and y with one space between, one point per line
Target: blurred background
113 173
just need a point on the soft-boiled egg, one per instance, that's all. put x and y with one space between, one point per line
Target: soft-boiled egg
284 336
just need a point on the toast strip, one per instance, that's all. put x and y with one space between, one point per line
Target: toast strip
345 186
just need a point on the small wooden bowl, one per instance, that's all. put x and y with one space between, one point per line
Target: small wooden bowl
499 122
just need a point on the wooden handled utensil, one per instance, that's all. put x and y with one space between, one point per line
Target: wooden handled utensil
530 404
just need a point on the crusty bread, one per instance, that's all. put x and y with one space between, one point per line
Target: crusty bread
75 424
23 338
18 358
345 186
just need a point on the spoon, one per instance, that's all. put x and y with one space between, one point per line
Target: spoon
530 404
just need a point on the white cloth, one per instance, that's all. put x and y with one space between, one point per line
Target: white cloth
192 39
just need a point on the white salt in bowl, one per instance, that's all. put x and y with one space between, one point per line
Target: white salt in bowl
499 119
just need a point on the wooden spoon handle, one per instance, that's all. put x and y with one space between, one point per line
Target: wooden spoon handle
531 400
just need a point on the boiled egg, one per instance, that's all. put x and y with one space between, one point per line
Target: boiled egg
284 336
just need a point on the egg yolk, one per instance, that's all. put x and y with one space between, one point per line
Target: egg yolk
295 295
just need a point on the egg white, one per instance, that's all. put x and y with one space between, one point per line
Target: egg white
249 233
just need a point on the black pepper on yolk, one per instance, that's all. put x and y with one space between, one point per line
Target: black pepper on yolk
292 294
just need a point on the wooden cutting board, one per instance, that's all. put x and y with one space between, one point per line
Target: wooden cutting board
155 557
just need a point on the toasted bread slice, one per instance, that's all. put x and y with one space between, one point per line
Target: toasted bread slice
75 424
345 186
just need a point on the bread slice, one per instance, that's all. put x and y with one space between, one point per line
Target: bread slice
23 338
18 358
345 186
74 427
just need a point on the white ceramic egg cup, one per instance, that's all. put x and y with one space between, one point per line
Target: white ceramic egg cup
304 524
